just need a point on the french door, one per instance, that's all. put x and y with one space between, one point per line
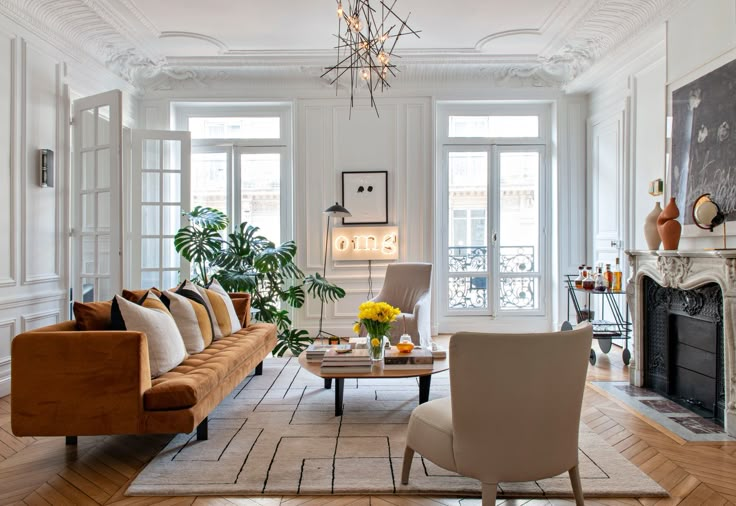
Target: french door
96 197
160 192
493 197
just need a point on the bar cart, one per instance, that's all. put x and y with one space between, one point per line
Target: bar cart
605 331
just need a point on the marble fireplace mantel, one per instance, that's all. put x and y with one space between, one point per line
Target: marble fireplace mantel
686 270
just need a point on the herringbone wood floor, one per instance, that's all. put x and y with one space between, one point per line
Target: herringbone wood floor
45 471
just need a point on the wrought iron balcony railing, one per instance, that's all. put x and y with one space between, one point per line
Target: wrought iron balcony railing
471 292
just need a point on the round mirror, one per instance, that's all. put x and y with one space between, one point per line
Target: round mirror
706 213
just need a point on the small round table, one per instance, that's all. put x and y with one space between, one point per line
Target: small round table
425 377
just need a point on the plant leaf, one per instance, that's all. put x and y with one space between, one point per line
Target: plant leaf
207 217
274 258
295 340
197 244
319 287
294 296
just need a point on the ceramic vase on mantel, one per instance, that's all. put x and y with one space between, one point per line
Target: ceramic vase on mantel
651 234
669 228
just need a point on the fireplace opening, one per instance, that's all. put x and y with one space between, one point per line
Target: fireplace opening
684 347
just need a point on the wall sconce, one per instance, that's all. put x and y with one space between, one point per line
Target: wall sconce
46 168
365 243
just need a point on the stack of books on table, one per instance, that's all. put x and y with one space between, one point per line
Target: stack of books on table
316 351
355 361
417 359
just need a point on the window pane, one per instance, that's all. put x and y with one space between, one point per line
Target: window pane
209 180
468 292
467 252
260 192
519 293
519 218
494 126
235 128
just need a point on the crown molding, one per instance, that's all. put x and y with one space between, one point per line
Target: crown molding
117 35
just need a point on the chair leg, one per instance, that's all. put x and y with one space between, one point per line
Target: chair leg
406 467
489 494
577 488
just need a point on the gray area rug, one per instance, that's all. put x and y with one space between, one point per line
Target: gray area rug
276 434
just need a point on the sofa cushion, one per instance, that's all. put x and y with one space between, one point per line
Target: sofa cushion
93 315
192 319
165 345
190 382
222 312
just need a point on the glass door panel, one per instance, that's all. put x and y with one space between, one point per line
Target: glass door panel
210 177
468 275
260 173
519 239
97 224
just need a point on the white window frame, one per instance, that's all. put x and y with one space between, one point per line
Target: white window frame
182 111
445 144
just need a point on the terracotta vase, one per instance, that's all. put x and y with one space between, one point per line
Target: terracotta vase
668 226
651 234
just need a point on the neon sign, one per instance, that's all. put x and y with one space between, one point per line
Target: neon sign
365 243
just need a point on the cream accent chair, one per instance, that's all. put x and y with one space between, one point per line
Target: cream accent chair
408 287
514 409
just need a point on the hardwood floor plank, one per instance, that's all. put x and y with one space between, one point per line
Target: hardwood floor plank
53 496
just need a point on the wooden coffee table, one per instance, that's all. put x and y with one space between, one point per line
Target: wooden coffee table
425 377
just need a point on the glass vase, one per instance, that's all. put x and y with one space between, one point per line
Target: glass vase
376 347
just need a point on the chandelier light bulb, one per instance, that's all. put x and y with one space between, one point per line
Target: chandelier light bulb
365 74
384 37
383 57
356 24
339 9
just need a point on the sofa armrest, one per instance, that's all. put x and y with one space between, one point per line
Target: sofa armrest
71 383
241 303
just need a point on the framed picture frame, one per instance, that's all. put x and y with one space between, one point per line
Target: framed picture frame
365 195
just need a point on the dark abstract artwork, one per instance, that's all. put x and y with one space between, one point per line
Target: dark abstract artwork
703 145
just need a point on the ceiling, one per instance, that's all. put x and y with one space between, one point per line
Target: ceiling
160 44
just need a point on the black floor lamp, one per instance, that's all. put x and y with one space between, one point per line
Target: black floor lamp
336 211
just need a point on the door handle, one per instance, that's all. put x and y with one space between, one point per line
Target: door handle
494 238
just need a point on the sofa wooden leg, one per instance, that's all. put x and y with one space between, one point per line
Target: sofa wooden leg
489 494
202 430
259 369
71 440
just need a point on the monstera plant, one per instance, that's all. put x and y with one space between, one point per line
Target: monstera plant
246 261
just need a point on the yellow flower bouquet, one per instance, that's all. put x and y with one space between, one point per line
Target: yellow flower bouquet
376 317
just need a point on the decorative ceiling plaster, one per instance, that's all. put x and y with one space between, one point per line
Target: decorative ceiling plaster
572 36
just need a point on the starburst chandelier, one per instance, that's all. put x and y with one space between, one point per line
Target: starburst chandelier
365 47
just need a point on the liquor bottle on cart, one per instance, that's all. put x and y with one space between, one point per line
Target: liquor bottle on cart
617 277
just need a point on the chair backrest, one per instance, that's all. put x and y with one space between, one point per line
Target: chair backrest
516 401
405 283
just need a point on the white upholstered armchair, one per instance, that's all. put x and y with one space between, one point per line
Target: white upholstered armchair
408 287
513 413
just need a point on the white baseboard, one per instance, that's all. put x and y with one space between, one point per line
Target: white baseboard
4 386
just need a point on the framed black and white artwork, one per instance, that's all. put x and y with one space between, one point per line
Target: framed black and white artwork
365 195
703 146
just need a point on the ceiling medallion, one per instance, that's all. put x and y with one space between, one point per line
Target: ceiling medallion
365 47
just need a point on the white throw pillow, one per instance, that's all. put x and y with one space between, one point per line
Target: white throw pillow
165 345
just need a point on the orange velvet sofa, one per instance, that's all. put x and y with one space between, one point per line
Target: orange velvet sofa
67 382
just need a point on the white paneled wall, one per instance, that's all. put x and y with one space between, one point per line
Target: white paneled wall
34 114
32 248
329 142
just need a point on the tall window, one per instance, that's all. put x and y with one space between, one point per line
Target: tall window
492 177
241 162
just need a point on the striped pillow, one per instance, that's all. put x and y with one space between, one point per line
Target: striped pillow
165 345
191 318
222 311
